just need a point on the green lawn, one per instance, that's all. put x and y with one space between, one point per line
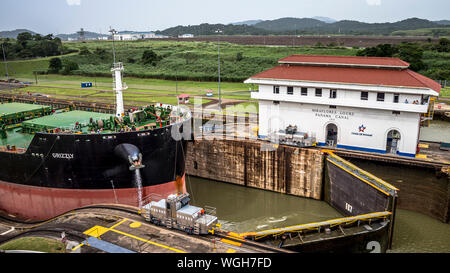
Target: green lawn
445 92
35 244
180 60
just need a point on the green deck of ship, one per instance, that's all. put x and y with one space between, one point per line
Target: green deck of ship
66 120
38 118
15 137
7 109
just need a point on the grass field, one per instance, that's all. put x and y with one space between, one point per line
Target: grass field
35 244
180 60
430 32
445 92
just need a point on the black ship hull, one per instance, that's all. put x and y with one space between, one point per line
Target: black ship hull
60 172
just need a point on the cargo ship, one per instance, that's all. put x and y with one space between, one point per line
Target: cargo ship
56 160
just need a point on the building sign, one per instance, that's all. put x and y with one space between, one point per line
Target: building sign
330 113
361 131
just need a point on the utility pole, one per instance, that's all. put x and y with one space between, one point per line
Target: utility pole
113 31
218 53
6 67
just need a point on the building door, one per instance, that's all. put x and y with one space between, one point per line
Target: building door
392 143
332 131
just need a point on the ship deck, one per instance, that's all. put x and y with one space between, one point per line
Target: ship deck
12 108
66 120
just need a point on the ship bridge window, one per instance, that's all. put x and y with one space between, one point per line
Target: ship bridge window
380 97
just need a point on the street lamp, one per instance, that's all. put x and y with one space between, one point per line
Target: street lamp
218 53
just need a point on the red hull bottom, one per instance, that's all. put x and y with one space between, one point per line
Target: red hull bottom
38 203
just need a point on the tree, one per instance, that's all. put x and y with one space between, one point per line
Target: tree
239 56
55 65
69 66
443 45
382 50
84 50
150 57
413 54
23 38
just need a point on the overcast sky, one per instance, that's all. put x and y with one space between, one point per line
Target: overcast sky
68 16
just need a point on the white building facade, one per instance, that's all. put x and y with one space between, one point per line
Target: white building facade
133 36
358 103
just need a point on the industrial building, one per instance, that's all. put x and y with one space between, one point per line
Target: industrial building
133 36
360 103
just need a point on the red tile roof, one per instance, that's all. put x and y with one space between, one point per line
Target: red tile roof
345 61
350 75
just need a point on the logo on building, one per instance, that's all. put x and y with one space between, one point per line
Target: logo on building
361 131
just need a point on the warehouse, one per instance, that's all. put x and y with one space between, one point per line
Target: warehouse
360 103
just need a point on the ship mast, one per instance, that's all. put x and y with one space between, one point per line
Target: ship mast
117 80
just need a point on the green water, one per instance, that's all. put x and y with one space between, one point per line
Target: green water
438 131
417 233
242 209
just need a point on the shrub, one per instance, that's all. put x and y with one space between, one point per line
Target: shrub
55 65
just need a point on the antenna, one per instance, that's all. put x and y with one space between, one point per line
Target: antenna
119 86
113 32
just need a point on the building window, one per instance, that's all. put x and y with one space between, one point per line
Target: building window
276 90
396 98
304 91
290 90
396 112
332 106
276 102
364 95
333 93
380 97
318 92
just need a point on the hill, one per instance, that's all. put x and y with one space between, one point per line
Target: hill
289 24
13 33
443 22
325 19
248 22
210 29
359 28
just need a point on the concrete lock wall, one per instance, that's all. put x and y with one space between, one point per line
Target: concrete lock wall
288 170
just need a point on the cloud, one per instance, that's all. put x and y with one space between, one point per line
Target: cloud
73 2
373 2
